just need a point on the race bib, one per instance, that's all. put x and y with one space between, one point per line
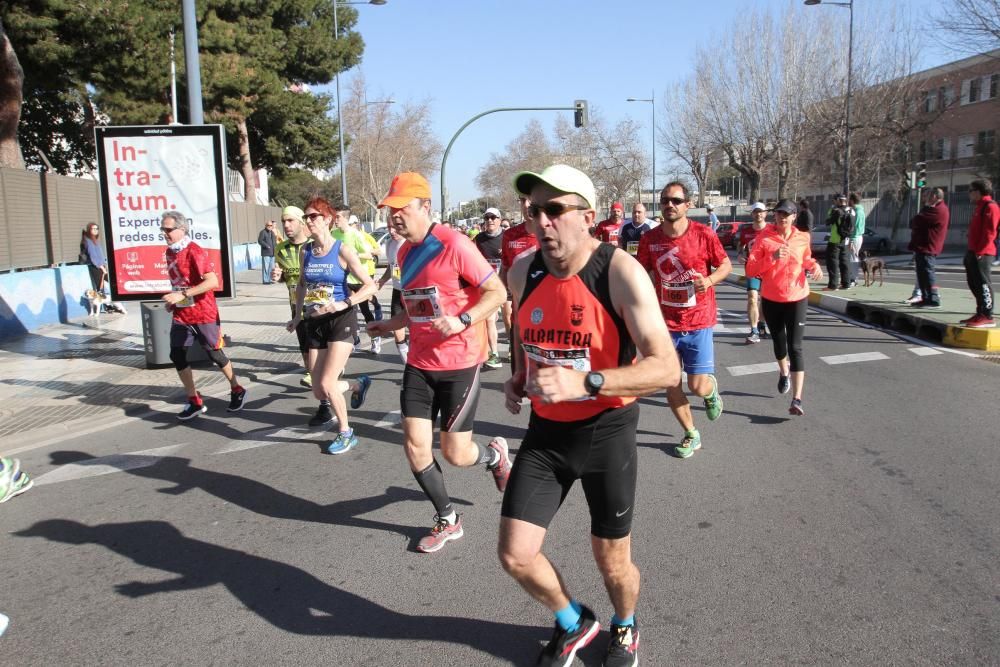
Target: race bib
422 304
539 357
632 247
318 295
678 295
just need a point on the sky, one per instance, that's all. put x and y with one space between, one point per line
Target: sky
467 56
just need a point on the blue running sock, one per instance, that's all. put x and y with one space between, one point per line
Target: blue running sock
622 621
568 618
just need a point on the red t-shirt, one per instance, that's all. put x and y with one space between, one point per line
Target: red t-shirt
516 242
673 263
608 231
748 234
187 267
441 276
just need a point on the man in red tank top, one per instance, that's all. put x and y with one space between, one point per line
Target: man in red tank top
582 308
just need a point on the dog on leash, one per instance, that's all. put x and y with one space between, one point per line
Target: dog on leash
870 265
96 299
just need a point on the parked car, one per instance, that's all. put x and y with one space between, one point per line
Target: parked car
382 236
876 243
727 234
818 238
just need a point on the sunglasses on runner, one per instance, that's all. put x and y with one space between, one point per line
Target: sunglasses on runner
676 201
553 209
167 230
309 217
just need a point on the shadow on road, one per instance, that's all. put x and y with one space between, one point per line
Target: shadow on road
281 594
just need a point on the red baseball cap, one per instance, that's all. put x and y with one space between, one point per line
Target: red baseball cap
406 187
617 206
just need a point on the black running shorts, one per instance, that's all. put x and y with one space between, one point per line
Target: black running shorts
332 328
599 451
451 394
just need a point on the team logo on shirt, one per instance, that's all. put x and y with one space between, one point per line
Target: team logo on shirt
576 315
536 316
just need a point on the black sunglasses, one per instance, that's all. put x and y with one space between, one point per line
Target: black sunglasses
489 217
167 230
553 209
676 201
312 216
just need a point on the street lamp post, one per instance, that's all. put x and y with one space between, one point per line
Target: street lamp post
652 101
850 71
340 118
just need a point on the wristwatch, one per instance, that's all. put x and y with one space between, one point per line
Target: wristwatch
466 319
593 383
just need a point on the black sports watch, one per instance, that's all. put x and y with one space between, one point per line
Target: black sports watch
593 383
466 319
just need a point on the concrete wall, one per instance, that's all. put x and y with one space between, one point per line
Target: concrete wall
32 299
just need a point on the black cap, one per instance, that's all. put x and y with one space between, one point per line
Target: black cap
786 206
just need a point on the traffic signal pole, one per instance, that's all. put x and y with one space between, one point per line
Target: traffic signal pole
579 107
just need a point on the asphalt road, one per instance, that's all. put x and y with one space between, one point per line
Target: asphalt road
865 532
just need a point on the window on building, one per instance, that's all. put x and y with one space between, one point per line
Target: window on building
993 87
975 89
966 144
922 152
930 101
942 149
985 141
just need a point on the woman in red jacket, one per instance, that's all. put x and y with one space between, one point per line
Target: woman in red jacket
781 258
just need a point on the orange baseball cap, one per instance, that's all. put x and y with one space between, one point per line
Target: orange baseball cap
406 187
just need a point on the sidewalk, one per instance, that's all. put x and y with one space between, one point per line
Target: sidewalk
885 306
77 377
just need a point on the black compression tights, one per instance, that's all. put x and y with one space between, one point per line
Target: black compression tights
787 322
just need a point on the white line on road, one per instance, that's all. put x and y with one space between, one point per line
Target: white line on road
105 465
753 369
391 419
924 351
279 436
838 359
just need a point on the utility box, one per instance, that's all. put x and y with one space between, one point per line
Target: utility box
156 322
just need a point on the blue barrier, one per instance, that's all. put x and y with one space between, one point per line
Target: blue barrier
32 299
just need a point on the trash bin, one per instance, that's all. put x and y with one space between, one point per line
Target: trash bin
156 321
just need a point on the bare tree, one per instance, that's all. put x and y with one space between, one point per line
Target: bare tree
530 150
970 26
683 137
386 139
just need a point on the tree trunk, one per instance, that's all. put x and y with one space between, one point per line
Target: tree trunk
11 86
246 166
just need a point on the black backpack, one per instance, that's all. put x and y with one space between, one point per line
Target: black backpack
846 223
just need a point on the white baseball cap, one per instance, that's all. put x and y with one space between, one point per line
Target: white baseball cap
758 206
562 177
492 211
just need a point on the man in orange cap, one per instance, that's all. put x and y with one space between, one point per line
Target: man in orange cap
449 289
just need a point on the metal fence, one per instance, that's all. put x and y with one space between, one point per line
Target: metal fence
42 216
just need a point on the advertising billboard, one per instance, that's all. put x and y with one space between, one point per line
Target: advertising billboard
146 171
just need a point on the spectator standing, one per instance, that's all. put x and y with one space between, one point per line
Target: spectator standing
982 251
268 241
713 219
92 254
854 243
841 222
804 221
928 229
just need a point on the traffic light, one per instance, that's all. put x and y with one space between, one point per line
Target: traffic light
911 180
921 174
580 115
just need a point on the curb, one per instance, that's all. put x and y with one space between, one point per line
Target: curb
950 335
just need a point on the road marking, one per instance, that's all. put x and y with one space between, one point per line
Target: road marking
924 351
838 359
753 369
105 465
393 418
279 436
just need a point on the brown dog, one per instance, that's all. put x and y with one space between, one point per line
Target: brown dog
870 265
